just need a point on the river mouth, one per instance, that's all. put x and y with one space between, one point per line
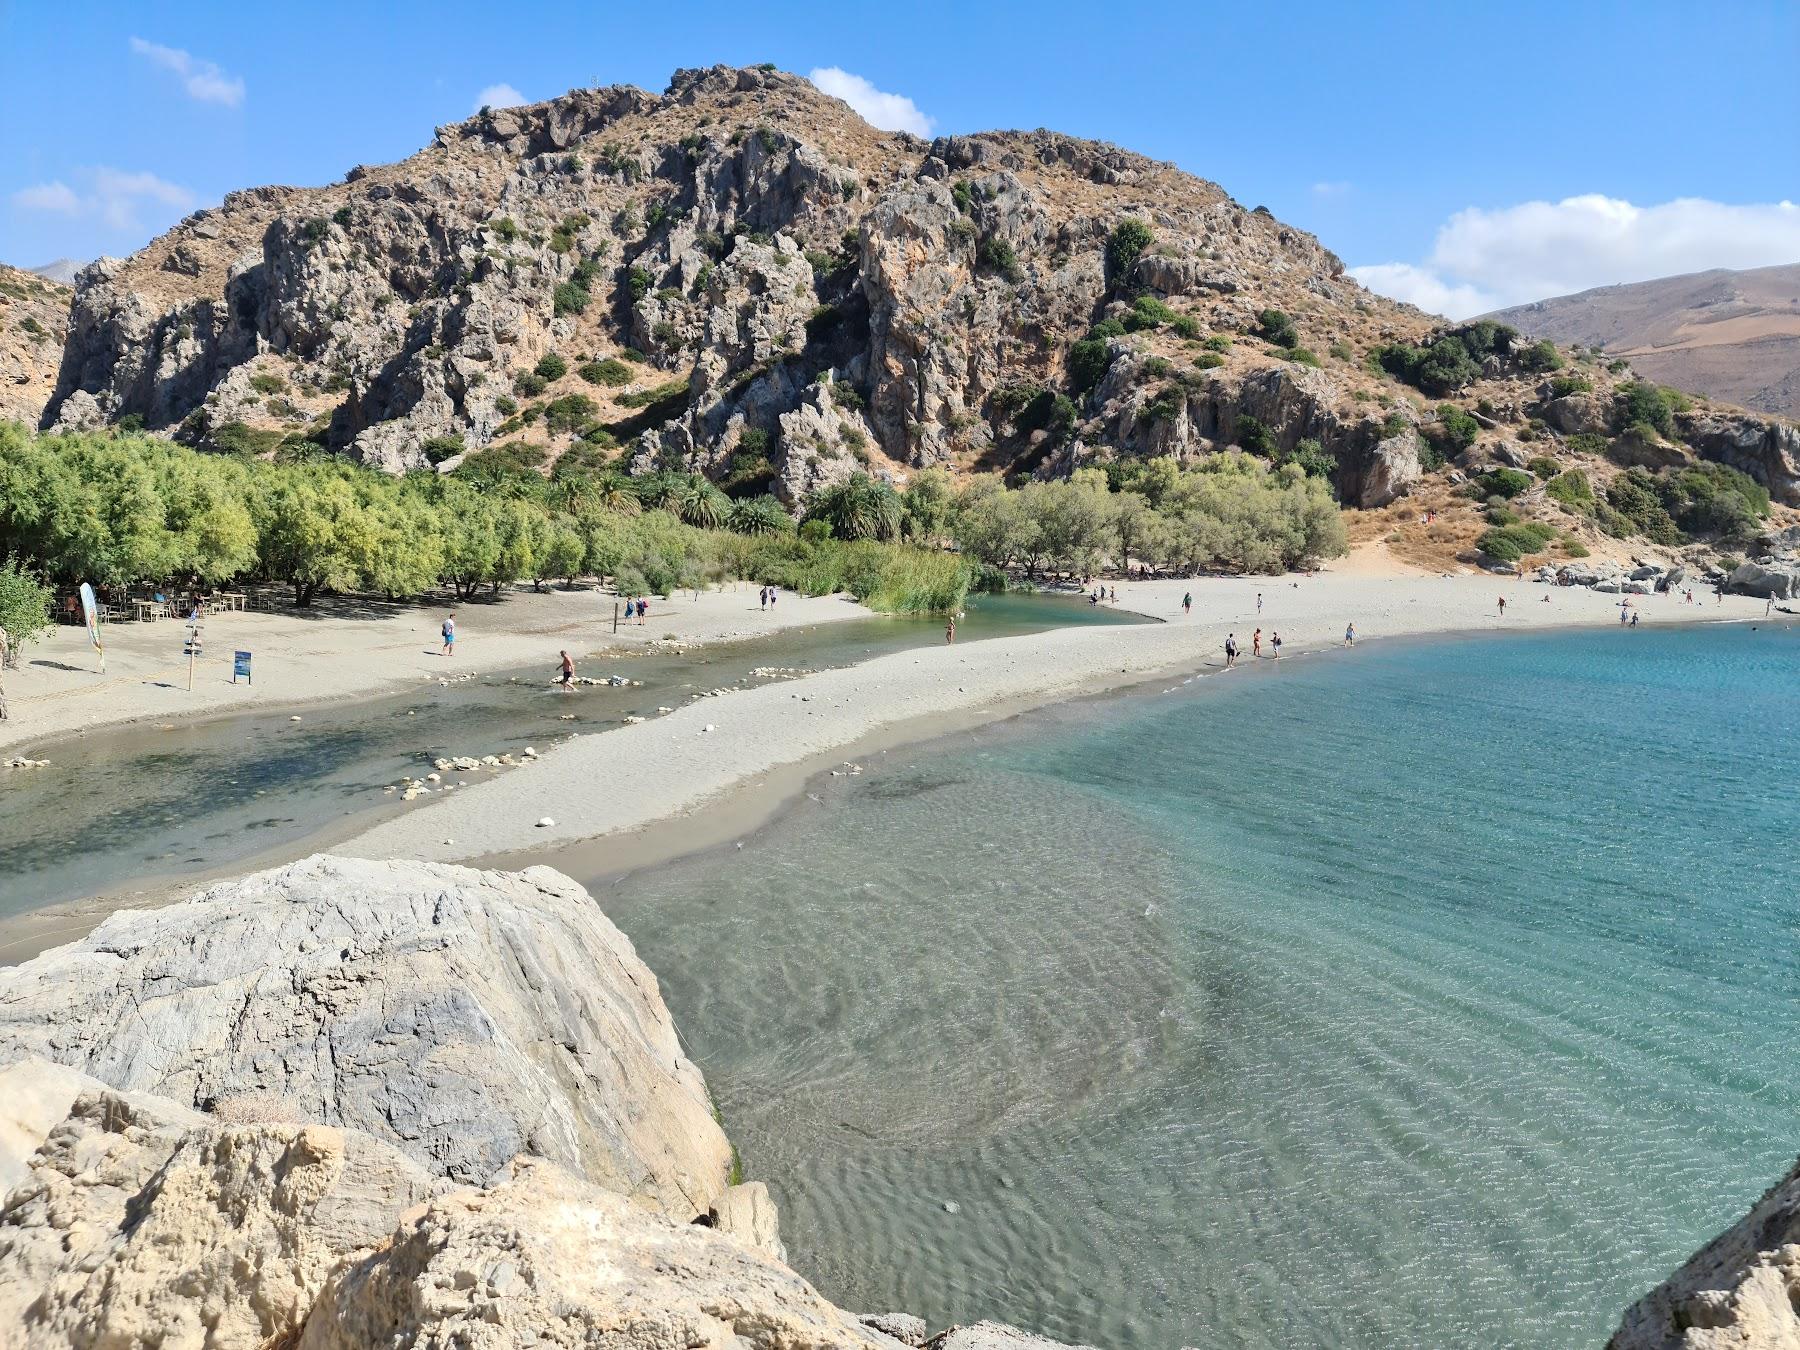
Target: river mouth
1407 1001
134 810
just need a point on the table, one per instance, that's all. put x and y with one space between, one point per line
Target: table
147 609
232 599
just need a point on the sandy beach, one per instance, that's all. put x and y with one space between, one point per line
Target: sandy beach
623 780
342 649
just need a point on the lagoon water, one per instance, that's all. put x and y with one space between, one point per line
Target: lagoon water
1433 994
149 804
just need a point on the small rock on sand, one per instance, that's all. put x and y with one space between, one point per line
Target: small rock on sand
544 822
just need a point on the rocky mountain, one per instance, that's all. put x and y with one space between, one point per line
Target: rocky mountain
347 1103
740 277
1733 336
63 271
34 318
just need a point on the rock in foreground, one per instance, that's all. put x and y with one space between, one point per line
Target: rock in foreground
1739 1292
358 1037
463 1017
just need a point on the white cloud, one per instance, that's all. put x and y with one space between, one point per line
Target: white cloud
498 96
1485 259
1336 189
56 196
890 112
202 79
113 197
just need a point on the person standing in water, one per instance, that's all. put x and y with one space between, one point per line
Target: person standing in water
565 671
1256 643
449 632
1275 645
1350 635
1230 650
950 631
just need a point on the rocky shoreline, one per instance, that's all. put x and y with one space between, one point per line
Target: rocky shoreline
349 1103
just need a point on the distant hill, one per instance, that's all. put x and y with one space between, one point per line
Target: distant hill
63 271
1733 336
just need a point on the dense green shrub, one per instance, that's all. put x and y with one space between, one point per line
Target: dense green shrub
1147 312
264 383
1509 543
528 384
1642 403
1540 357
1459 429
571 412
608 371
1712 499
1088 361
1561 386
1448 361
440 448
569 297
1633 507
1572 490
1507 483
996 255
1543 466
638 281
551 366
1272 325
1250 434
1129 238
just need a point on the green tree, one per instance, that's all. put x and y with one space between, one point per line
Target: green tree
1129 238
860 507
24 608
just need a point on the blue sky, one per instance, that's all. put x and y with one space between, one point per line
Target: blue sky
1414 139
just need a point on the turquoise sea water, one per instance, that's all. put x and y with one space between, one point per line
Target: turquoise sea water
1428 995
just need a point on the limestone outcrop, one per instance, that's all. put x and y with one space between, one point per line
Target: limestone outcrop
463 1017
1739 1292
327 1028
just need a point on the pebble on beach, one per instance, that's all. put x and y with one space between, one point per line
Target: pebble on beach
544 822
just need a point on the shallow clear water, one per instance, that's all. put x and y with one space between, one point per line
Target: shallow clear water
1438 994
145 803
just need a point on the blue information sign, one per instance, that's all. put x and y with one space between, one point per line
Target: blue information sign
240 665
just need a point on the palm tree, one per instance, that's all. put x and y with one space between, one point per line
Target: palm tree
859 508
759 515
701 504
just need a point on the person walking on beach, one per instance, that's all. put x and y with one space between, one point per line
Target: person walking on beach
1503 606
1230 650
1350 635
449 631
762 597
772 594
1634 618
1259 602
565 672
1275 645
1187 603
643 609
1256 643
950 631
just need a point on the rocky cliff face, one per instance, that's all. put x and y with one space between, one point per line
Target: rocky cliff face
352 1044
702 263
1739 1292
34 319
